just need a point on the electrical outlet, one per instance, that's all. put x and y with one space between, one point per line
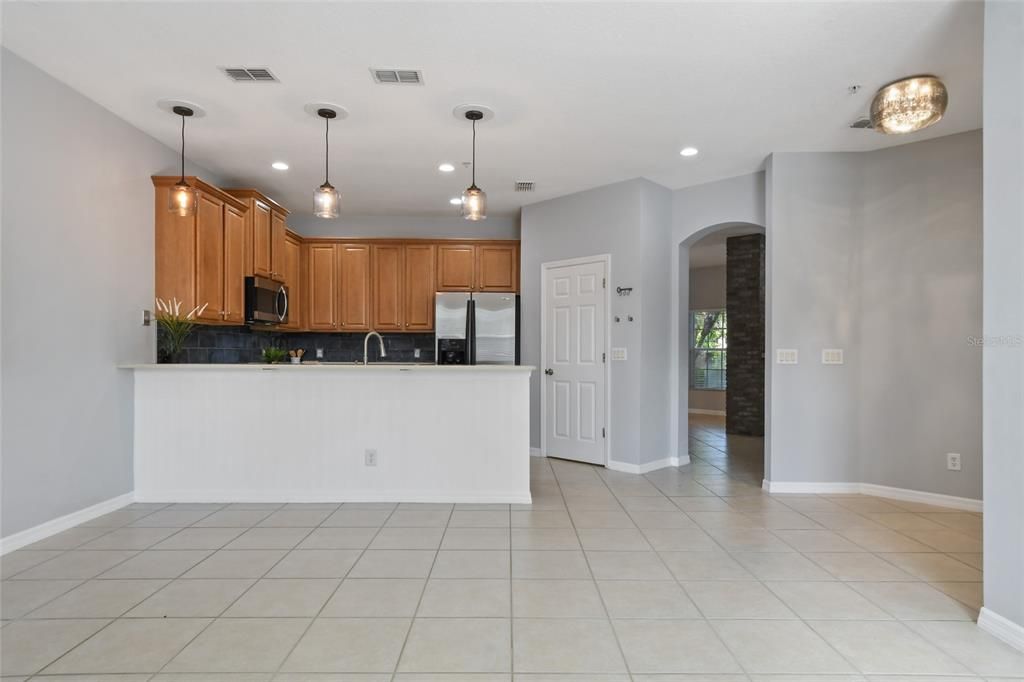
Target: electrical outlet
319 353
953 461
370 458
416 353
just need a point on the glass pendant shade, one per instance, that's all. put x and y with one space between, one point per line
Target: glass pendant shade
908 105
474 203
182 199
325 201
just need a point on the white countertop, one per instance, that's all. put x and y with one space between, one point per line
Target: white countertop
345 367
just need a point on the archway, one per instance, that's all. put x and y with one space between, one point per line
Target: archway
702 386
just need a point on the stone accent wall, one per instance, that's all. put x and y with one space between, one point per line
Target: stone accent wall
242 344
746 318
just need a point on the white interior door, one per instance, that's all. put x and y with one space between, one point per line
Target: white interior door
574 354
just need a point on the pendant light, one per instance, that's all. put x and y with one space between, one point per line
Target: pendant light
908 105
183 197
326 198
474 199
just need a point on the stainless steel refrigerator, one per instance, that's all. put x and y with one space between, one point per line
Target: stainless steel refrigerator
476 328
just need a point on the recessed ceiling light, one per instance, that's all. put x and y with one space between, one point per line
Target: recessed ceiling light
279 165
446 168
455 201
688 151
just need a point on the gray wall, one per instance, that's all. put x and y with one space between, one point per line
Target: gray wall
629 221
404 226
813 275
1004 310
77 271
879 254
707 291
920 301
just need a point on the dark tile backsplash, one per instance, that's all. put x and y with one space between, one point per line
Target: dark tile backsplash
242 344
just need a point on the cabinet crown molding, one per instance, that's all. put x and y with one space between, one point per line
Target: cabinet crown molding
202 186
243 193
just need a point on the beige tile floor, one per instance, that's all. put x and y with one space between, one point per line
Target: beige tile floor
683 574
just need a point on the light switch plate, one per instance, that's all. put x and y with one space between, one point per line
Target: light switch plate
786 356
619 354
831 356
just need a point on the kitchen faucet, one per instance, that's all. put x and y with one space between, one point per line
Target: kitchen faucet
366 341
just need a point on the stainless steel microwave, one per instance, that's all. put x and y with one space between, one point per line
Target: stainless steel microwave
266 301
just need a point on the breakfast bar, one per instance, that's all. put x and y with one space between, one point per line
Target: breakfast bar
331 433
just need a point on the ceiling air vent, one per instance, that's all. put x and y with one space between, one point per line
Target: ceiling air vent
397 76
245 74
862 123
524 186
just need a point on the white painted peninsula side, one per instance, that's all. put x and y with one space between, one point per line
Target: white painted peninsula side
283 433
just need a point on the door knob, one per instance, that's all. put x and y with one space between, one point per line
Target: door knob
549 371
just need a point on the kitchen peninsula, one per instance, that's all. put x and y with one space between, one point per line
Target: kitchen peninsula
332 433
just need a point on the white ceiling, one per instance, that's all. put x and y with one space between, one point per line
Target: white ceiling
584 94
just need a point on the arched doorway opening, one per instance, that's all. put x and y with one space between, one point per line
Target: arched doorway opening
721 350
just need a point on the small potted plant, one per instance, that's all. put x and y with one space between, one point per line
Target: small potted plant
175 327
273 355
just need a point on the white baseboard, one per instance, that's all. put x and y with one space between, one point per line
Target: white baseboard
536 452
715 413
1001 628
62 523
907 495
904 494
810 488
629 468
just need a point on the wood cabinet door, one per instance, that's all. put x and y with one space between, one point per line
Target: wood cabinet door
291 274
175 253
456 267
210 257
234 265
386 272
497 267
321 298
277 253
354 287
261 239
419 286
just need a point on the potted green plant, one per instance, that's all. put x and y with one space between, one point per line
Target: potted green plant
273 355
175 327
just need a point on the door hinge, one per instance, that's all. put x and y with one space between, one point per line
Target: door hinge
604 283
604 357
603 433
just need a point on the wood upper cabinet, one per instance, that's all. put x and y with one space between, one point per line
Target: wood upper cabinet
234 265
261 239
291 268
497 267
456 267
478 267
354 287
322 295
277 245
210 257
419 286
386 285
198 257
265 236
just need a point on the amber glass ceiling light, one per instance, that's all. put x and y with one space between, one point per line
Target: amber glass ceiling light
908 105
474 199
182 200
326 198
